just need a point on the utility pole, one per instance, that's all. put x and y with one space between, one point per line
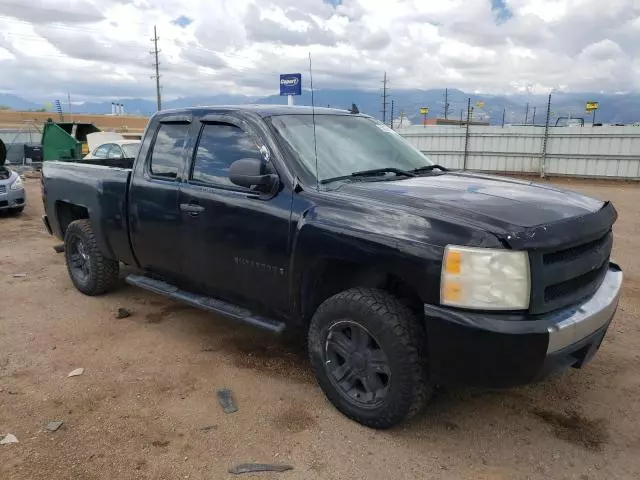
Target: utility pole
504 112
392 104
466 135
446 103
543 159
155 52
526 114
384 100
70 112
533 119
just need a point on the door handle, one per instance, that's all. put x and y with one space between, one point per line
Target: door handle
191 208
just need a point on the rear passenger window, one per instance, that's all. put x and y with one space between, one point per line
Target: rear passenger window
167 156
101 151
220 145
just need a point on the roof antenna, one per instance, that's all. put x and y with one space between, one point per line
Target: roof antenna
313 116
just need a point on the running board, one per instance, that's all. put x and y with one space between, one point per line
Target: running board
206 303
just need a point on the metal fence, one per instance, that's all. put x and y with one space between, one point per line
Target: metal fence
16 140
588 152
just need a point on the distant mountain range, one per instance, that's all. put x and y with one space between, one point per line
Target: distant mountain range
614 108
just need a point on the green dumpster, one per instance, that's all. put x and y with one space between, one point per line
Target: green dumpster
65 140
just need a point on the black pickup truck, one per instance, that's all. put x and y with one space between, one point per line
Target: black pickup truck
402 274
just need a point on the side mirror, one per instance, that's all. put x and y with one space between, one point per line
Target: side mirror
249 172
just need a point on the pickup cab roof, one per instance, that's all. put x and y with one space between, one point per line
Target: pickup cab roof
261 110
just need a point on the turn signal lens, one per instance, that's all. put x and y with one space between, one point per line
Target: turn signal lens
452 261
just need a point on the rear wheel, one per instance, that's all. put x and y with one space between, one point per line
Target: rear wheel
90 271
368 352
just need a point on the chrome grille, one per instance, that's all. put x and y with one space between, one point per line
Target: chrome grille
568 275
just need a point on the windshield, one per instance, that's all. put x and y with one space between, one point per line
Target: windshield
345 144
131 149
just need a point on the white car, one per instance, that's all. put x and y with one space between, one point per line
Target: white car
115 149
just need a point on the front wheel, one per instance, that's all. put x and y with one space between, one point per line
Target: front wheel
368 352
91 272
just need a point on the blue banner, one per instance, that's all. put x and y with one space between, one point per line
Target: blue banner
290 84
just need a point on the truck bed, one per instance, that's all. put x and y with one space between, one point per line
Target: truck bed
99 190
126 163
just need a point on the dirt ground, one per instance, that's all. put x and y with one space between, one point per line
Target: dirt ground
145 406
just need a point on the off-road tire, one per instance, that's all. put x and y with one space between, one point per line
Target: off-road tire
103 273
401 336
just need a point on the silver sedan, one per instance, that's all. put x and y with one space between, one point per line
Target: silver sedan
12 194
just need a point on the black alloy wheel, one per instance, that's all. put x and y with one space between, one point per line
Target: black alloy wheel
369 353
78 259
91 272
356 364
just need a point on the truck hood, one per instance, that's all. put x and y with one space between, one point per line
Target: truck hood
514 210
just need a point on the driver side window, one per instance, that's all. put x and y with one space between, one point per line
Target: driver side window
115 152
219 146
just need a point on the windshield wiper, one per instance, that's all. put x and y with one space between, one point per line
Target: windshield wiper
367 173
429 168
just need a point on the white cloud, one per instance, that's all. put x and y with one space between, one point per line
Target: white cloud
100 48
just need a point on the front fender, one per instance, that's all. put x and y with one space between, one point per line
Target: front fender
381 243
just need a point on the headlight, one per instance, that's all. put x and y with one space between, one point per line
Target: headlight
17 184
485 279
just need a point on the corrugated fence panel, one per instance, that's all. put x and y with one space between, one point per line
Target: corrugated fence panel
603 152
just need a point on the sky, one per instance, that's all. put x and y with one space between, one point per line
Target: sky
100 49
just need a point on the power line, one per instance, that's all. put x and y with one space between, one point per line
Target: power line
101 31
236 73
57 25
157 65
121 45
384 99
42 8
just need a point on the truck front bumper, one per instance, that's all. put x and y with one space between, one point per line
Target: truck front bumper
12 199
495 350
